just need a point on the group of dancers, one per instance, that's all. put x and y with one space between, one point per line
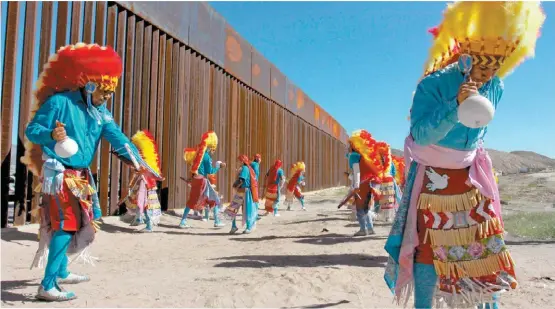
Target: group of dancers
446 244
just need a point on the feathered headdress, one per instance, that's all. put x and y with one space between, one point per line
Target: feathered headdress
363 143
145 143
499 34
193 156
399 163
297 167
70 69
384 151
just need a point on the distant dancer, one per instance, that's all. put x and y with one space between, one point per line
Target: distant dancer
245 199
143 203
294 185
202 193
366 168
255 165
274 182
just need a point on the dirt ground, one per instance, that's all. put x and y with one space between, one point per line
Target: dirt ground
299 260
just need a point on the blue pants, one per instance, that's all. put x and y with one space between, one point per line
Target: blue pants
425 280
364 220
234 224
57 259
206 212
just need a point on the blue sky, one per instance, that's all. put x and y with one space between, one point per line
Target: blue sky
361 60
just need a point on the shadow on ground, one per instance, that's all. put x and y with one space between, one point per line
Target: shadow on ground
323 239
13 235
9 293
529 242
320 260
341 302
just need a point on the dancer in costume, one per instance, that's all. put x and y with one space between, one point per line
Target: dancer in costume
293 185
70 117
246 197
274 182
367 168
389 190
352 200
212 179
447 239
255 165
202 193
399 171
143 204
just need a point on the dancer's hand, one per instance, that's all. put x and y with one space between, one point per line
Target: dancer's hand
223 165
466 89
59 133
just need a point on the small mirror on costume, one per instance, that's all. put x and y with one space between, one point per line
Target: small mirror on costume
465 63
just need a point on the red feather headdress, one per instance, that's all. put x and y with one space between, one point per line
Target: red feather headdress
71 68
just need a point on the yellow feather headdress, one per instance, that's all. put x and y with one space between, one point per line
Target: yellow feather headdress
193 156
299 166
500 32
363 142
144 141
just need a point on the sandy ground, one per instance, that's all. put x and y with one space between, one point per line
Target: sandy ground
290 261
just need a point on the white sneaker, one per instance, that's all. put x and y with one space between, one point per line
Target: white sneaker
361 233
54 294
184 225
219 225
73 279
277 215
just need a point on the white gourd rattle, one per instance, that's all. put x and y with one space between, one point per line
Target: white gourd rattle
476 111
67 147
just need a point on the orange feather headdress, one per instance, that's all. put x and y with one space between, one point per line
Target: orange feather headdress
193 156
399 163
370 150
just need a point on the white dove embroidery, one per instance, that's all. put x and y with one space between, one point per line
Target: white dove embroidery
437 181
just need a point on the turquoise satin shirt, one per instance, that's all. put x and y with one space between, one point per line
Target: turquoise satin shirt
70 109
206 168
256 167
434 118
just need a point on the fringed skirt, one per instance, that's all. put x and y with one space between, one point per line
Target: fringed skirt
71 209
151 206
202 194
291 195
387 204
272 197
461 235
